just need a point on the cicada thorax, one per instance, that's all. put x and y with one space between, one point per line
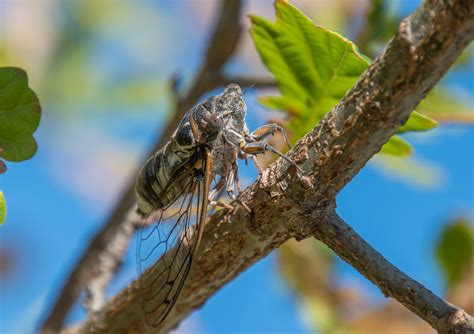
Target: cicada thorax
154 186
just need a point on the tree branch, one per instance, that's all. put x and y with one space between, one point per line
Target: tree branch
425 46
108 262
442 316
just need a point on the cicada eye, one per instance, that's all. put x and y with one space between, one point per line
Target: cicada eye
215 121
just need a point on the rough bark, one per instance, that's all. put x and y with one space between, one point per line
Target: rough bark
283 207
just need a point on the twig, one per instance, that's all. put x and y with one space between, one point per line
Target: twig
108 262
425 46
441 315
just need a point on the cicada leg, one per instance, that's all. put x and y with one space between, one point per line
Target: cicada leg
255 145
266 130
259 147
214 195
232 182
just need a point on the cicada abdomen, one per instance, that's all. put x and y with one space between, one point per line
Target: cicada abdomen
169 239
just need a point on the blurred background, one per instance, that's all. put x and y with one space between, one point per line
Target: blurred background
103 73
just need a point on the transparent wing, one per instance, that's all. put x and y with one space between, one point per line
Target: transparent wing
167 243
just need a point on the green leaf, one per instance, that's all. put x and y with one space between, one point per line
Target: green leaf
382 23
398 147
3 208
455 250
314 68
448 107
291 106
265 35
311 64
418 122
416 172
20 114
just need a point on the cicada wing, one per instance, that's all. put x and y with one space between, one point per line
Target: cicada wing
167 243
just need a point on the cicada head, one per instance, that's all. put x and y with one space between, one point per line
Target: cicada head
206 122
231 103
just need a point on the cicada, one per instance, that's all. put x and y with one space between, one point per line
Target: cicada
174 192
